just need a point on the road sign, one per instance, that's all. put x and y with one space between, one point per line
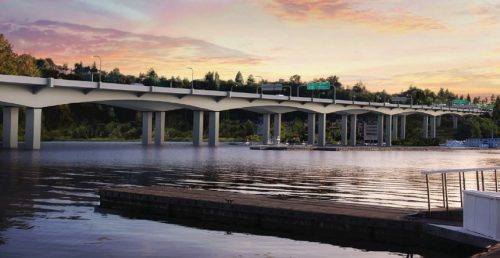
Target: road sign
272 87
318 86
459 102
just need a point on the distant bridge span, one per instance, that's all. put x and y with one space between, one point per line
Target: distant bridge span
36 93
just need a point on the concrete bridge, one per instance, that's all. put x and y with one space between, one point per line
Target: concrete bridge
36 93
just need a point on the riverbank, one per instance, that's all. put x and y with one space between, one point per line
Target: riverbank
324 219
355 148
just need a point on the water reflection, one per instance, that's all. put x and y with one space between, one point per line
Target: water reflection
47 197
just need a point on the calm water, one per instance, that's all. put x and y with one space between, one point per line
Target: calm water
48 200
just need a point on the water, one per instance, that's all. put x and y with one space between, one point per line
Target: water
48 200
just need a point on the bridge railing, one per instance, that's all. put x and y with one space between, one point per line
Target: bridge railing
461 174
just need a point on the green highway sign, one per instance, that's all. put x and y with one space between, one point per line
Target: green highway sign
459 102
318 85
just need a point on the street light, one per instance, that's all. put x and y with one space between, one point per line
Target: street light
100 66
192 75
261 82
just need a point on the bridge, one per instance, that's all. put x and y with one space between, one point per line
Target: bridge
36 93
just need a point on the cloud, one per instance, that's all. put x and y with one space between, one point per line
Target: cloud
69 42
394 20
487 15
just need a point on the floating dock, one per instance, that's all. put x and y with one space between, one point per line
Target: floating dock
317 218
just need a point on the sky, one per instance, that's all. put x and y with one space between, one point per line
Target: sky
387 44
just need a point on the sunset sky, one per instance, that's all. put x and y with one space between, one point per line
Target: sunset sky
387 44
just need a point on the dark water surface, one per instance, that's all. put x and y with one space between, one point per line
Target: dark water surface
48 200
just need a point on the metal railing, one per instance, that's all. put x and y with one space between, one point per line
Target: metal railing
461 181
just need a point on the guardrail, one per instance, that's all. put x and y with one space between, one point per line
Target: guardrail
461 180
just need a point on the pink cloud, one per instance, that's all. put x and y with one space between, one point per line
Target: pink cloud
67 42
340 10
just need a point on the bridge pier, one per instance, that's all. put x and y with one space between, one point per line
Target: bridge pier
388 130
213 128
380 130
425 127
10 127
344 130
311 128
455 122
147 127
321 129
197 128
159 128
433 127
277 128
403 128
266 124
395 120
438 121
354 119
33 131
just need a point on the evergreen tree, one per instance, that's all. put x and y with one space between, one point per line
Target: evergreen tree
239 78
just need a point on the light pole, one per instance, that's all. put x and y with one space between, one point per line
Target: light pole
261 82
100 66
192 76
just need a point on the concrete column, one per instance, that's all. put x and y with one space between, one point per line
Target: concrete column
380 130
388 130
433 127
213 129
321 129
266 134
159 128
277 128
425 127
395 128
10 127
354 119
197 128
455 122
403 128
344 130
311 128
33 131
438 121
147 127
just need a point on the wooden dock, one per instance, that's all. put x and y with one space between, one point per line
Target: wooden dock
318 218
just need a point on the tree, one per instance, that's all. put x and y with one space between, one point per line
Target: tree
239 78
295 79
8 65
250 80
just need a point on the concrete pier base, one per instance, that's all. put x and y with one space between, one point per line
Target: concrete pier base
433 127
403 128
33 132
266 131
277 128
159 128
344 130
380 130
311 128
197 128
388 130
147 127
395 128
455 122
425 127
354 119
321 129
213 129
10 127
